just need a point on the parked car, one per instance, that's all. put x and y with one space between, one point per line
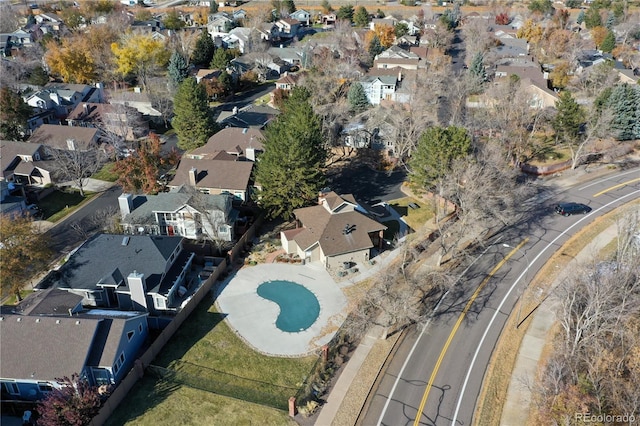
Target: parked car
567 209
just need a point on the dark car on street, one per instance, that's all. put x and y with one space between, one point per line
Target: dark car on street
567 209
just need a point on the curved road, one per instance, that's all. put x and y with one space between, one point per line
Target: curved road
436 374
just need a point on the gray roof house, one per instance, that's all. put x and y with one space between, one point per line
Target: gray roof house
379 88
37 350
195 216
130 273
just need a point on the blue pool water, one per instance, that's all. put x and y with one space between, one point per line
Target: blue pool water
299 308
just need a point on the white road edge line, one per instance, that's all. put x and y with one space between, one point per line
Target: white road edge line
406 361
495 314
606 179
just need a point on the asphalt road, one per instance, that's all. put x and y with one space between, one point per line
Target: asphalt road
63 237
437 372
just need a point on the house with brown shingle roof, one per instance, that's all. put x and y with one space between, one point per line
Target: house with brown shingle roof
394 57
65 137
214 176
333 232
120 120
240 143
24 163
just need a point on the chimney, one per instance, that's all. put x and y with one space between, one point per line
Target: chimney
125 201
71 145
400 75
138 289
250 154
85 108
193 176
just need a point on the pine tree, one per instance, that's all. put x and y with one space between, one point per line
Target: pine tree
192 122
361 17
221 59
569 118
375 47
611 21
204 49
357 97
289 5
609 42
624 102
290 170
178 69
580 18
345 12
477 68
592 18
435 153
14 113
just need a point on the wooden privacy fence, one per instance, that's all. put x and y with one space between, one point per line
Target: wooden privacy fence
145 360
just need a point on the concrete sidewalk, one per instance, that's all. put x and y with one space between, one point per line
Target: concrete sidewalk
517 405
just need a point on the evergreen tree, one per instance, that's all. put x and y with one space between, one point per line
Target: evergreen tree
203 51
477 68
361 17
609 42
289 5
375 47
345 12
624 102
290 170
221 59
580 18
611 21
401 29
178 69
213 7
192 121
14 113
326 7
569 118
357 97
435 153
226 82
592 18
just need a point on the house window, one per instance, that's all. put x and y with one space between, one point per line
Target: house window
118 363
160 303
11 388
130 335
44 387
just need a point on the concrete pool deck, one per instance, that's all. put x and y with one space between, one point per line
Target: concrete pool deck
254 317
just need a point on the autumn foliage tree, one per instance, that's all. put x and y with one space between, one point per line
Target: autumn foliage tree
74 404
23 252
139 54
502 19
139 172
386 34
71 59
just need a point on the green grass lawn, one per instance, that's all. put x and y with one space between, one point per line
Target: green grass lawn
415 218
58 204
106 173
206 346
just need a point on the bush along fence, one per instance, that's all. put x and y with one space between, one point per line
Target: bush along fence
226 384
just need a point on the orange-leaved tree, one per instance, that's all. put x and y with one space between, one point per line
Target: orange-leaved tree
139 172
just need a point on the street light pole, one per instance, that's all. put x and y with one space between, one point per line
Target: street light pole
526 276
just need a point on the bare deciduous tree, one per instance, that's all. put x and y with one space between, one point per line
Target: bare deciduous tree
77 165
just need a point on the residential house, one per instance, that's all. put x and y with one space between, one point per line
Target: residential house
328 19
357 135
214 176
389 21
241 143
146 27
25 163
239 15
238 38
38 119
144 273
38 350
138 100
287 82
65 137
219 23
628 76
207 74
252 116
120 120
291 55
62 98
532 78
334 232
414 30
50 19
194 216
394 57
406 41
379 88
287 27
301 16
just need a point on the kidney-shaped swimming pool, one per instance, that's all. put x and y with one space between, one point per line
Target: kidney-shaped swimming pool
299 307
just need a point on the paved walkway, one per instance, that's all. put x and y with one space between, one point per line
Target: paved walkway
516 408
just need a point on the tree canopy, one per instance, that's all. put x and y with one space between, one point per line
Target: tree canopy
139 54
361 17
178 69
433 157
14 113
345 12
221 58
477 68
624 102
23 253
569 118
74 404
203 52
290 170
193 122
357 97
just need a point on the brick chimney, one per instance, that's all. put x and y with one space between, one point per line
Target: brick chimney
193 176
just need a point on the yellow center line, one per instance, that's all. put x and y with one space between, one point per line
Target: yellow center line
484 282
616 187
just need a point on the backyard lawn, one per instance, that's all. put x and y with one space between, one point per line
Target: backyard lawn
415 217
207 349
106 173
59 203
